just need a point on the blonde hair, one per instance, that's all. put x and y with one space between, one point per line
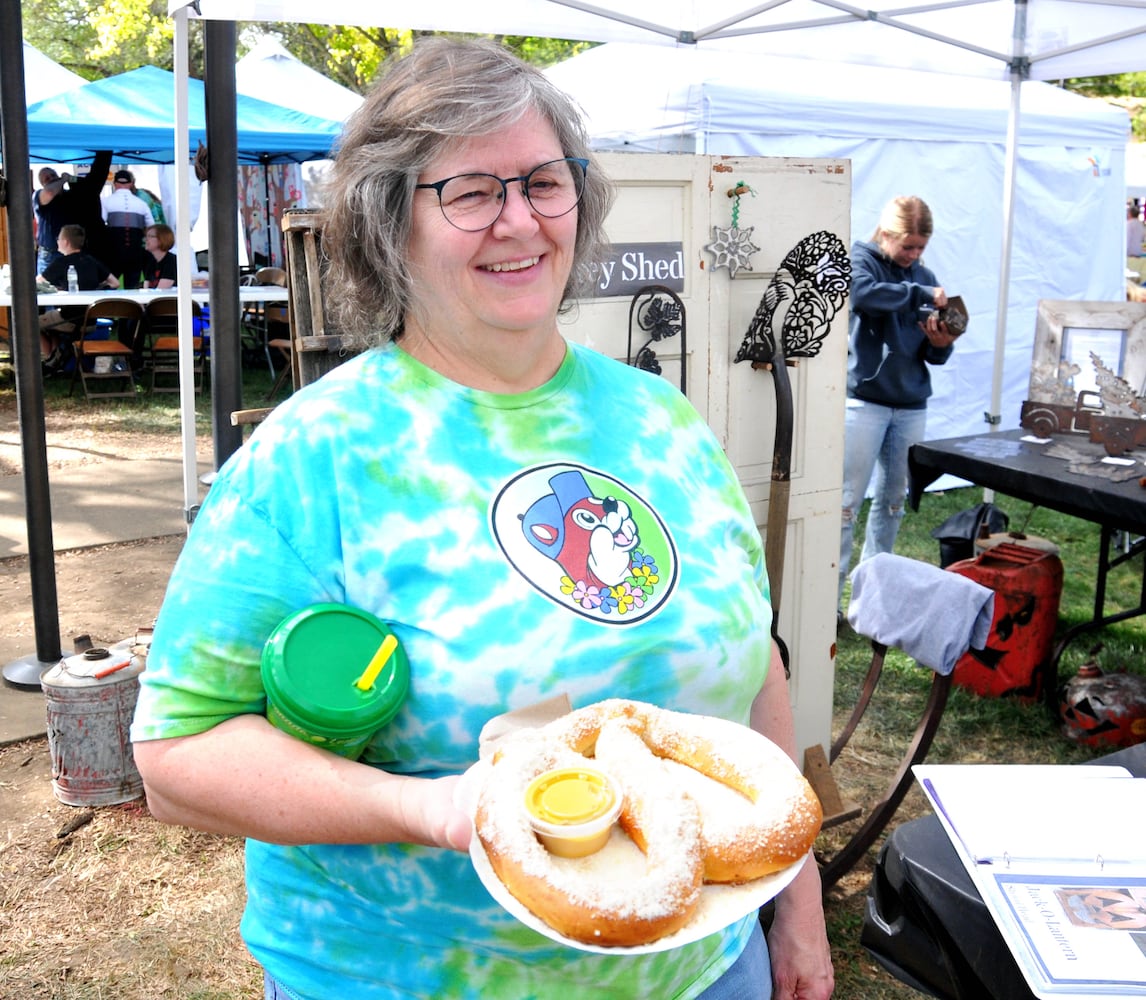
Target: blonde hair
904 215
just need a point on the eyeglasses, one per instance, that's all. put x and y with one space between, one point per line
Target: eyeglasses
473 202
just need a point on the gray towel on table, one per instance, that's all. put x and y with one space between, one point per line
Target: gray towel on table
931 614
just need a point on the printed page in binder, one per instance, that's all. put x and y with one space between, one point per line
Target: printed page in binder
1058 854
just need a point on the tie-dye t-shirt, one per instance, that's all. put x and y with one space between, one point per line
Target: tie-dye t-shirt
587 537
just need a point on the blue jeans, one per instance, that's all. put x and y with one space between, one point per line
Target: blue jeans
45 256
748 978
876 438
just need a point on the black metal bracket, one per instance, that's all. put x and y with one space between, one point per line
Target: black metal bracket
658 311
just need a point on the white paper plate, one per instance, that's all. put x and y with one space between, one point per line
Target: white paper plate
720 905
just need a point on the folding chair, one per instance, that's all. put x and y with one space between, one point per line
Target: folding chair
934 617
162 332
106 344
261 316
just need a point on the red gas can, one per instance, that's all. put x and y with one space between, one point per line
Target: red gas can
1027 585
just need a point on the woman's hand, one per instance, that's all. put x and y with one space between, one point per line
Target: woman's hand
429 806
937 332
940 298
798 942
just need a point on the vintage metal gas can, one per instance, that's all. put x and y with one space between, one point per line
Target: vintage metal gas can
90 701
983 543
1028 586
1100 709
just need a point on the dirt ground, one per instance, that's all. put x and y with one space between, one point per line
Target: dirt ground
105 903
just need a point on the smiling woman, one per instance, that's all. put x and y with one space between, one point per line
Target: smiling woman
469 479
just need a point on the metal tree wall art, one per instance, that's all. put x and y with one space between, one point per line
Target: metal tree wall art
792 320
659 312
798 306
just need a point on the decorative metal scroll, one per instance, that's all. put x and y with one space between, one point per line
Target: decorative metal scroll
658 311
804 295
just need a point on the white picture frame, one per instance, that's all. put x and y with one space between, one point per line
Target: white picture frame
1066 332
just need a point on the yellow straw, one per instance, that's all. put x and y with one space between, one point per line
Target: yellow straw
370 675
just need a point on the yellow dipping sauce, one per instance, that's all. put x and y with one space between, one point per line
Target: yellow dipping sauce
572 810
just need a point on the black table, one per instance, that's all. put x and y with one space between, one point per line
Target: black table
1004 462
925 922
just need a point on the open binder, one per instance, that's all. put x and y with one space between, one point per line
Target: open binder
1058 854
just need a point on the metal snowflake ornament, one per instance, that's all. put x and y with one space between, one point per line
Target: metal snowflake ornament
732 248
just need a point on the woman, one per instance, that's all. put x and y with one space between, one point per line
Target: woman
460 214
895 334
158 262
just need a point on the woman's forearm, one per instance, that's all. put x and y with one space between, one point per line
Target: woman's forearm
246 778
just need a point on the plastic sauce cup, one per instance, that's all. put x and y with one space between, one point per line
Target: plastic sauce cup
309 667
572 810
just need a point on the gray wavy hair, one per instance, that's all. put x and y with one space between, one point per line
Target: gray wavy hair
443 90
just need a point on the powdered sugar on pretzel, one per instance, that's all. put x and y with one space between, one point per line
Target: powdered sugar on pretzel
706 800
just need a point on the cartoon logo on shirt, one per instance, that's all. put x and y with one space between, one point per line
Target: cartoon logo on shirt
586 542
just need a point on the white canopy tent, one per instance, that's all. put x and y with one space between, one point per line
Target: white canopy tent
1013 40
269 72
904 131
44 78
1136 170
1046 39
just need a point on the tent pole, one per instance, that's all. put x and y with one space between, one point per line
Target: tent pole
222 141
24 332
992 416
267 211
1019 70
183 271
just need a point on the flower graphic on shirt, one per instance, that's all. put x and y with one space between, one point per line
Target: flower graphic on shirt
586 595
644 570
628 598
624 597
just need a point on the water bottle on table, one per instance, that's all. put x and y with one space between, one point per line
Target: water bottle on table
73 280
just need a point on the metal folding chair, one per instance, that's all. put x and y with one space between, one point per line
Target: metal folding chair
106 344
161 330
932 616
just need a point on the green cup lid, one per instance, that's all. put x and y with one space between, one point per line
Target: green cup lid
312 660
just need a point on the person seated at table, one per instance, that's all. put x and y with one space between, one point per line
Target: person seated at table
57 324
159 262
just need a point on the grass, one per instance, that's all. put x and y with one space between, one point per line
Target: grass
974 728
159 412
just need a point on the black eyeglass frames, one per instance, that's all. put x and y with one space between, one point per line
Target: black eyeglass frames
473 202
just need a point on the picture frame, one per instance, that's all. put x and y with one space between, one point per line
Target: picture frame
1068 333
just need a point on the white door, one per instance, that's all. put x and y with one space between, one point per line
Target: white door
664 218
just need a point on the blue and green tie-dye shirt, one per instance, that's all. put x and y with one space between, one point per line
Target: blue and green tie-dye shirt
587 537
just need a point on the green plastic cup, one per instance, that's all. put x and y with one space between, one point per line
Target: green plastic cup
314 670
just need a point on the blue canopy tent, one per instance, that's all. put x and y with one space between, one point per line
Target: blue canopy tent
137 116
134 115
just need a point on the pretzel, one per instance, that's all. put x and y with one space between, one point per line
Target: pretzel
745 813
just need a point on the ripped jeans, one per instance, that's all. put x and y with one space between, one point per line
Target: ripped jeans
876 438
